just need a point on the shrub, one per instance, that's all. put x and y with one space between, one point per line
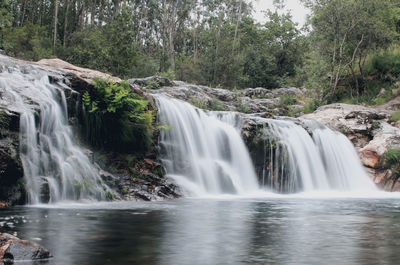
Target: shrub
30 42
395 117
311 106
286 101
216 105
392 161
117 119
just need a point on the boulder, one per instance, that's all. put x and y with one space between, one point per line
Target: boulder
14 249
152 82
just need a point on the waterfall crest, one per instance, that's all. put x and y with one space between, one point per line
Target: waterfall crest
201 153
55 168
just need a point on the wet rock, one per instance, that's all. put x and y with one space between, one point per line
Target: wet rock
11 171
15 249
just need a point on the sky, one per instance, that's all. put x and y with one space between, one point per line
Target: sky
298 11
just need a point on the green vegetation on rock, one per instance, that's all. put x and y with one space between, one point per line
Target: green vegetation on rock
392 161
117 119
395 117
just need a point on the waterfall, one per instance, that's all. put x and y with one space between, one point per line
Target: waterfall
203 154
325 161
55 168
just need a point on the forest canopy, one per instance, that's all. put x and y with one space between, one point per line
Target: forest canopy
348 50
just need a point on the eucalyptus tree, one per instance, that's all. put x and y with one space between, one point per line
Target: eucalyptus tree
346 31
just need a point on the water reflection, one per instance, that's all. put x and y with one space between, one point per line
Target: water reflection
277 231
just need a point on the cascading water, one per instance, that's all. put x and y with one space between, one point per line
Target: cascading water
324 162
54 166
201 153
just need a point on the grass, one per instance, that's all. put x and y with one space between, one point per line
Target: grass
395 117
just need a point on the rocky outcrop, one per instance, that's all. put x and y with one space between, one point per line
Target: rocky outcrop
136 179
14 249
370 131
252 100
71 70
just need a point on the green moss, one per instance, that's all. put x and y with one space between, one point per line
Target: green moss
395 117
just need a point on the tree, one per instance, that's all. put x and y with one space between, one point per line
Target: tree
345 31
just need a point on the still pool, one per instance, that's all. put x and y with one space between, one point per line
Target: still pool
214 231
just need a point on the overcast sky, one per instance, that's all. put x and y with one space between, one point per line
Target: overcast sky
298 11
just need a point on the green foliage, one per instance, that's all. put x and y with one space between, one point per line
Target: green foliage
153 85
95 47
311 106
286 101
170 74
376 125
198 103
216 105
392 161
395 117
30 42
117 119
384 63
5 19
243 107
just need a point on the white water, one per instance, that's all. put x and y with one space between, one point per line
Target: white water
49 155
327 161
201 153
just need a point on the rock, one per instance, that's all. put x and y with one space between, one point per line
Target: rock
250 100
84 73
370 132
152 82
369 158
15 249
11 171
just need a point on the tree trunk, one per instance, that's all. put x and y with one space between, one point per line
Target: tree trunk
55 24
82 15
65 23
237 27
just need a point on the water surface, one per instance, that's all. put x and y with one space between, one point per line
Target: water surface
215 231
